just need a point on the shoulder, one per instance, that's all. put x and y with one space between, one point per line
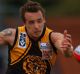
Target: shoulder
7 35
56 36
7 32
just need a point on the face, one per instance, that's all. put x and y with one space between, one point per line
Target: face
34 23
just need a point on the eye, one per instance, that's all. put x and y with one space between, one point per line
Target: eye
39 20
31 22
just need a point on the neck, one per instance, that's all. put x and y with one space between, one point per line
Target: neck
34 38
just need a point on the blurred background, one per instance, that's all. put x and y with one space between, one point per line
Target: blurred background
60 15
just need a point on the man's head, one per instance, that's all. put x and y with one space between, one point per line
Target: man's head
33 16
32 7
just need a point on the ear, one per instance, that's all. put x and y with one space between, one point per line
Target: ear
44 20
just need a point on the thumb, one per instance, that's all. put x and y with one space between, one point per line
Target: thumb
65 33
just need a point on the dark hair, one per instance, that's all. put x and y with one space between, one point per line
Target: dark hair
31 6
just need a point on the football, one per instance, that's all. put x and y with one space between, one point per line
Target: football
76 53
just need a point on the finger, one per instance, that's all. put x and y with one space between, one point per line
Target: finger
65 33
66 45
68 40
68 35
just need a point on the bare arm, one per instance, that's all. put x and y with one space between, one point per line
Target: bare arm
57 39
7 36
62 42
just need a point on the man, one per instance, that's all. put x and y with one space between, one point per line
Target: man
33 47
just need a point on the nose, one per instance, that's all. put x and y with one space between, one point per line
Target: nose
36 26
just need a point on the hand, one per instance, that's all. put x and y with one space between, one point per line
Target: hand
67 48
